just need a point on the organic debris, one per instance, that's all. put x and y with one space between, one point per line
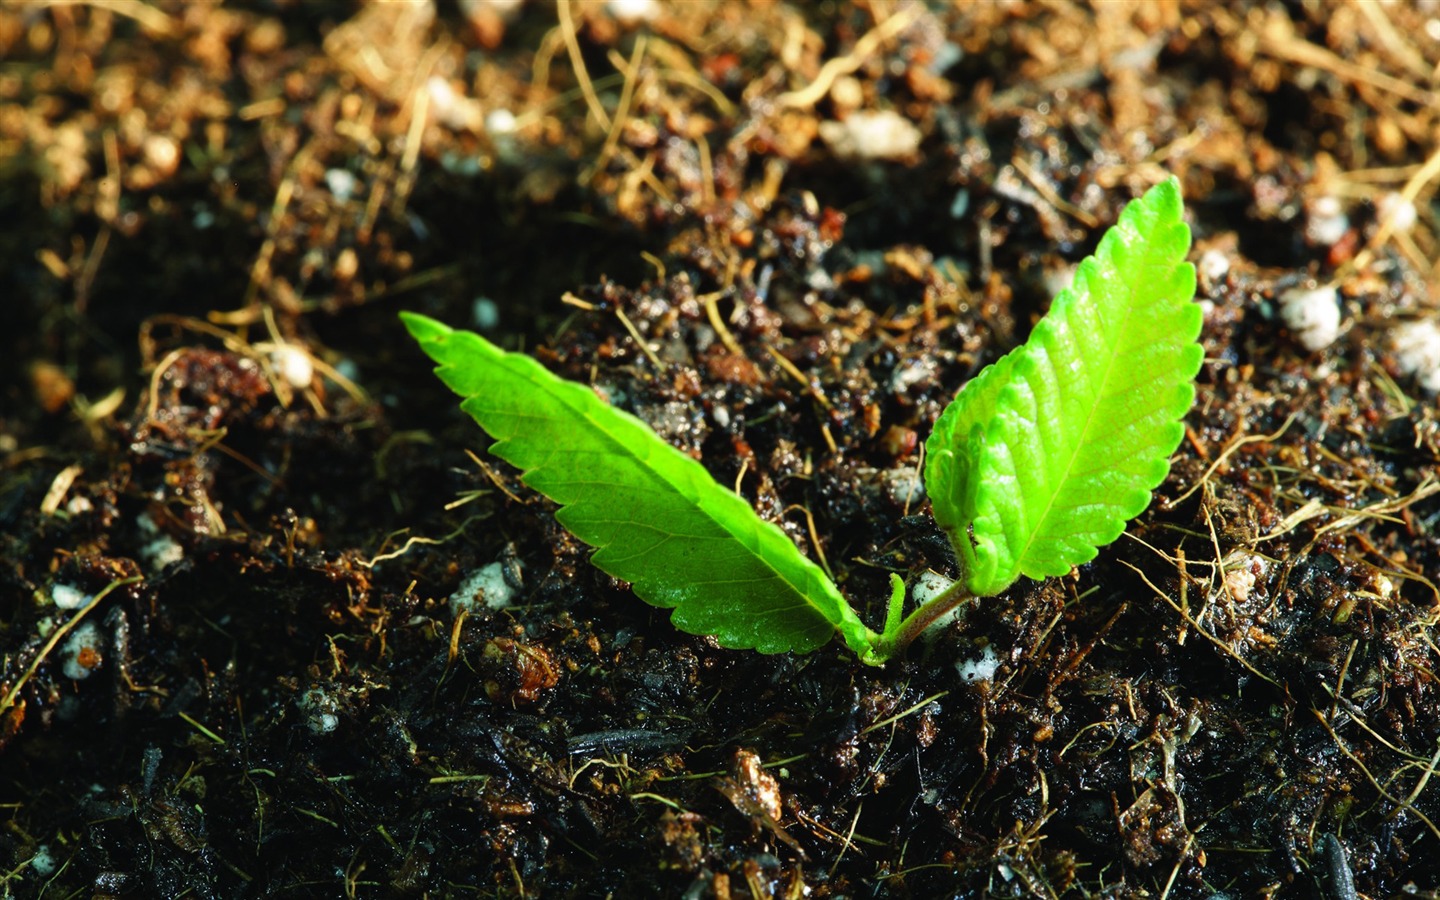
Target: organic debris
235 507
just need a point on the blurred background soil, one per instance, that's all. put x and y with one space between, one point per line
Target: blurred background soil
272 624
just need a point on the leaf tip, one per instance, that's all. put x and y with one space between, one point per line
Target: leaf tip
423 328
1165 198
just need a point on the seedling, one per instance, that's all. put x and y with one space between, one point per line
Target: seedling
1039 461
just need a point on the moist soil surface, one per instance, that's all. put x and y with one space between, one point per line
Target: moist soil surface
274 624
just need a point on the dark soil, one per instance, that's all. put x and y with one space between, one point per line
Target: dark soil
235 503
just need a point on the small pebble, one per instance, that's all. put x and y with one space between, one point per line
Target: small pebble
911 372
633 12
1213 266
265 37
904 486
501 122
1240 583
161 550
341 183
485 313
872 134
899 441
961 204
294 365
67 597
1396 212
43 862
452 109
162 154
1325 222
442 95
347 265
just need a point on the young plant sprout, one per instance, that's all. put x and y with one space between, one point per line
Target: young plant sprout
1039 461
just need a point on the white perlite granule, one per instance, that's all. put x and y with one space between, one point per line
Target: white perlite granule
982 669
882 134
1312 314
1417 352
486 585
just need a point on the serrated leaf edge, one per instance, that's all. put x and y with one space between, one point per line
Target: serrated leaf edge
761 538
975 513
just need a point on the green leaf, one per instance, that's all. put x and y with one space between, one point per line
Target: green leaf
656 517
1043 458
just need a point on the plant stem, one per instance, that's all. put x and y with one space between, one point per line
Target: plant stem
895 639
895 610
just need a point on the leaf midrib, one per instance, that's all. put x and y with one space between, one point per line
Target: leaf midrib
1112 354
558 394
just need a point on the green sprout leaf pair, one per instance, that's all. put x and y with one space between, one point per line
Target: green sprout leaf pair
1039 461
